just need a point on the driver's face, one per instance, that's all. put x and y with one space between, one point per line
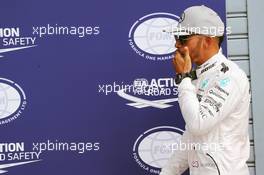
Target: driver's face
194 44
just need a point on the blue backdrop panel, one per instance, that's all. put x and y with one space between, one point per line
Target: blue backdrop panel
87 87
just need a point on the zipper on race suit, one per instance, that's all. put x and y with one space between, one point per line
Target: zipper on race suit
214 163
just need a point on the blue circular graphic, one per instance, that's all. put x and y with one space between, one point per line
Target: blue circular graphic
12 101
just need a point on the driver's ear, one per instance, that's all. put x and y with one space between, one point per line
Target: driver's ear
207 41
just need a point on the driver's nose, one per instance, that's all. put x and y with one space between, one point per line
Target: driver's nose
178 44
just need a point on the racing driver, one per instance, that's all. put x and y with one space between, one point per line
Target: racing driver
214 100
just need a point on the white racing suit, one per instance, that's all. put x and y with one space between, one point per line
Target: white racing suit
215 108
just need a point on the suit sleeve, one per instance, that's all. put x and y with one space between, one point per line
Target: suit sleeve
178 162
216 104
